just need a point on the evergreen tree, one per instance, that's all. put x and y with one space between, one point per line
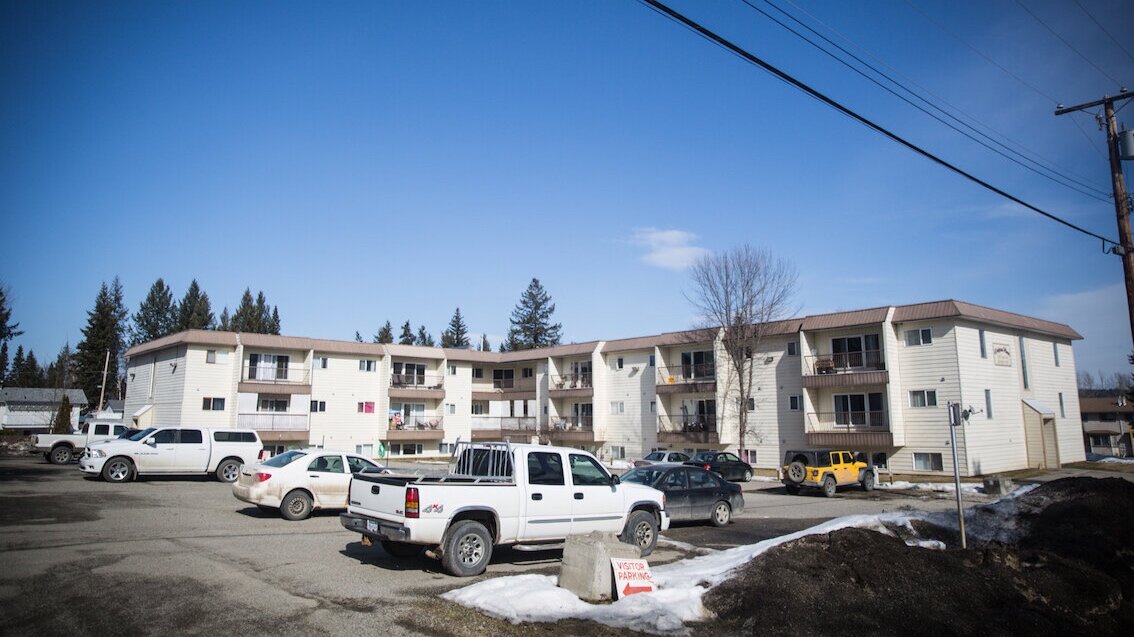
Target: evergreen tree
385 334
13 377
61 424
457 334
157 315
423 337
357 337
3 363
225 323
407 337
484 346
61 373
531 321
274 325
105 332
194 311
8 331
255 317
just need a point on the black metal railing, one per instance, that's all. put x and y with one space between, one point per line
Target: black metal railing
870 359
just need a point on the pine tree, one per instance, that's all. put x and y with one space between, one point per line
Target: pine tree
407 337
531 321
3 363
194 312
8 331
13 377
156 316
105 332
385 334
274 325
357 337
31 375
484 346
61 424
423 337
61 374
255 317
457 334
225 323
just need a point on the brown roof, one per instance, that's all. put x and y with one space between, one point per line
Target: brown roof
961 309
1104 405
845 319
189 337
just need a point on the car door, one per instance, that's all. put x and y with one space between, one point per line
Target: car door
192 451
329 480
724 466
158 453
675 484
547 500
596 504
704 488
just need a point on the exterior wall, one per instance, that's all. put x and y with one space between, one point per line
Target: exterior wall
1055 386
343 385
774 427
930 367
635 429
998 443
458 392
209 380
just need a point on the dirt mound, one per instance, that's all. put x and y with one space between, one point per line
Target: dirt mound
1069 573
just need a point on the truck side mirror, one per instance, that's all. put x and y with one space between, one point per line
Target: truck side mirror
151 442
614 480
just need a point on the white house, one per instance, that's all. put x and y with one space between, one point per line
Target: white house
31 409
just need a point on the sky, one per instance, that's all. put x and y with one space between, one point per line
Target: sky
377 161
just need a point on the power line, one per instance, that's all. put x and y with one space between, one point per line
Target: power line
1103 29
1010 154
1068 44
788 79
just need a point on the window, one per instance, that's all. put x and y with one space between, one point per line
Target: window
359 464
211 356
277 404
751 404
795 403
407 449
1100 440
408 374
479 407
749 457
267 367
191 437
234 436
366 407
923 398
1062 410
503 378
321 362
327 464
1024 362
879 459
104 430
618 363
585 471
367 365
651 360
927 462
545 468
318 406
452 370
213 404
451 408
478 372
983 347
527 372
924 336
617 452
792 348
617 407
988 404
698 365
653 406
445 447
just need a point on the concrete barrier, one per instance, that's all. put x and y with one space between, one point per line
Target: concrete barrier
586 570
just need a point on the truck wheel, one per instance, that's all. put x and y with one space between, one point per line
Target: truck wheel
641 531
867 481
722 513
829 485
401 549
228 471
467 549
295 506
117 470
60 455
747 475
796 472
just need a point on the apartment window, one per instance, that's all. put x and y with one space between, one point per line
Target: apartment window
450 408
217 404
651 360
407 449
367 365
452 370
321 362
478 372
617 453
698 365
792 348
618 365
211 356
653 406
751 404
273 404
1062 410
983 347
267 367
923 398
988 404
1024 362
479 407
366 407
1055 353
617 407
924 336
927 462
795 403
1100 440
503 378
445 447
318 406
527 372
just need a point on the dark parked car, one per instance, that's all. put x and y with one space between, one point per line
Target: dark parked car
691 493
655 457
724 463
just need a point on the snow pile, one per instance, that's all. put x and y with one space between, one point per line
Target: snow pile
936 487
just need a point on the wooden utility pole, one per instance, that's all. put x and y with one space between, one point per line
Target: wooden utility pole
1125 250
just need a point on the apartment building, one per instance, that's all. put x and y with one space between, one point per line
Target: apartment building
875 380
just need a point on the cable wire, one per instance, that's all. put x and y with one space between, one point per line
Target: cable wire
1068 44
1103 29
792 81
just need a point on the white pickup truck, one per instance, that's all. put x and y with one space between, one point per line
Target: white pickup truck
174 451
483 502
61 448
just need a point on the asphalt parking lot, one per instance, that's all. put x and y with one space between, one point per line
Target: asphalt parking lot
182 555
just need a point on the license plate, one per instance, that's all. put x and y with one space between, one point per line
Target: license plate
372 526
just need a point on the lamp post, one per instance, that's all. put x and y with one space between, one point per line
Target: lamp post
956 417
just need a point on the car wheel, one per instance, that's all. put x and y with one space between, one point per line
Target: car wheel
722 513
867 481
747 475
641 531
792 489
60 455
228 471
295 506
467 549
117 470
402 549
829 485
797 472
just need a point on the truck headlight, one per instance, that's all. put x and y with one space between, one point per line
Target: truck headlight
96 453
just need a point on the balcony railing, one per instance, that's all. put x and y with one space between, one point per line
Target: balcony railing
870 360
698 373
273 422
504 423
692 423
416 422
514 384
571 381
417 381
295 374
572 423
848 421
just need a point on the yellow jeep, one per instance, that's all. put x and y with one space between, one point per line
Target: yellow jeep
826 470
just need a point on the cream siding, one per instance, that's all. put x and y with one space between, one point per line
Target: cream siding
343 385
933 366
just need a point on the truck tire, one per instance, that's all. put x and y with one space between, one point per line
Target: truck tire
402 549
641 531
867 481
228 470
60 454
117 470
797 472
296 505
829 485
467 549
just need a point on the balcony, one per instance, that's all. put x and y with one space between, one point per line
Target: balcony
570 385
420 385
688 379
415 427
571 429
262 421
692 428
275 379
501 427
854 430
846 369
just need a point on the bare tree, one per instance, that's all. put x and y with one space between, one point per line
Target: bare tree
742 293
1086 380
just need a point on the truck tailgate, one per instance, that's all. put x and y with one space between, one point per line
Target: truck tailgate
379 496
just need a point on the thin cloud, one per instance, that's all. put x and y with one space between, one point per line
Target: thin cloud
669 249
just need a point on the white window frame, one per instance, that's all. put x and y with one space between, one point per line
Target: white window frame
321 362
920 336
318 406
793 348
795 403
928 398
452 370
211 404
211 357
367 365
934 460
617 407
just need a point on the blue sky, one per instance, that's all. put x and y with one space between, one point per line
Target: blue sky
374 161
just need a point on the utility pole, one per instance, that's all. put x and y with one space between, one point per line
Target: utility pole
1125 250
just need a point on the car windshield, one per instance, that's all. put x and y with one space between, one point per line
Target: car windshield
142 434
657 455
284 458
642 475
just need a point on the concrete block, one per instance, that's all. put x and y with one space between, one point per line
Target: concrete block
586 569
997 485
